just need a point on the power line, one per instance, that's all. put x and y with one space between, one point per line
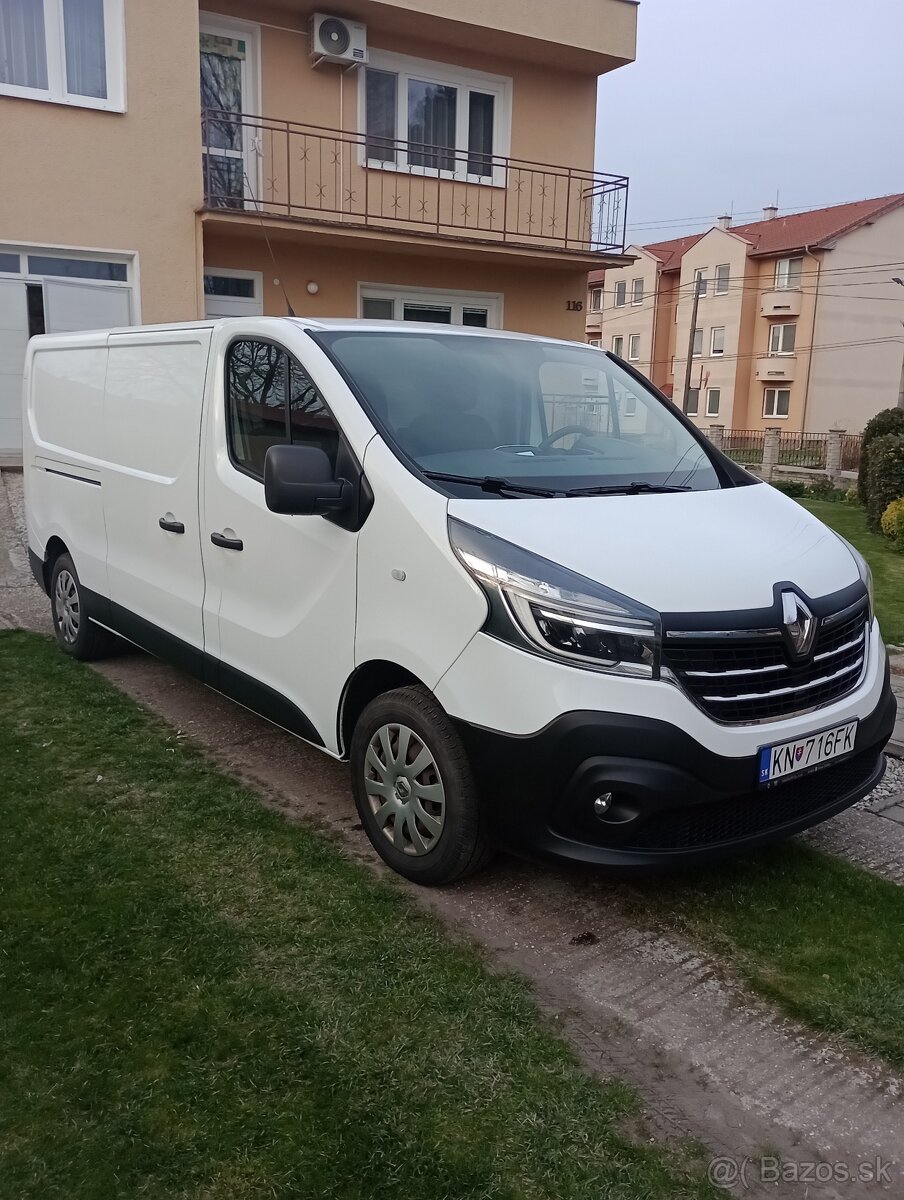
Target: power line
659 362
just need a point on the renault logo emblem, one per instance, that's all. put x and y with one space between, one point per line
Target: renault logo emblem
799 623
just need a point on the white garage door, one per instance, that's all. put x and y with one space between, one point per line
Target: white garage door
70 307
13 339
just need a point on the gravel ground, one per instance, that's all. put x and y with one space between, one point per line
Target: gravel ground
892 786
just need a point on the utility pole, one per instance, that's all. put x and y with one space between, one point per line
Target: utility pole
698 283
898 279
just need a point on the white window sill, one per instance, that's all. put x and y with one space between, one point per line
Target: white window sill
23 93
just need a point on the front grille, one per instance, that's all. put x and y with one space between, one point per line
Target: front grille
726 821
753 677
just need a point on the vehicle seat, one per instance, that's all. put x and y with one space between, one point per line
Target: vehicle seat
450 425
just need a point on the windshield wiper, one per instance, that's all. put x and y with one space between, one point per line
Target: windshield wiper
488 484
627 489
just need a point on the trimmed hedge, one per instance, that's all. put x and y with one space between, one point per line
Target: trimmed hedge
890 420
885 478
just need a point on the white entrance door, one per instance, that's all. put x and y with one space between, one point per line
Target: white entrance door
70 307
230 104
13 340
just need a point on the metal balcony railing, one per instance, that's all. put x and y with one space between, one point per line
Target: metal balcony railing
307 173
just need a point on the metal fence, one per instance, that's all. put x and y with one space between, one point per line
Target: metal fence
809 450
308 173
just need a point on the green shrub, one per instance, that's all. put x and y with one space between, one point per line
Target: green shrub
851 496
890 420
886 476
820 489
893 517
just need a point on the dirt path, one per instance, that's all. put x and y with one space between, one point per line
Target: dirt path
711 1062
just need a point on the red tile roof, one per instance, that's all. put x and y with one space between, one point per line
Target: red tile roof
670 253
813 228
793 232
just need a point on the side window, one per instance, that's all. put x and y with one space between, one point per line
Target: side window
271 400
310 421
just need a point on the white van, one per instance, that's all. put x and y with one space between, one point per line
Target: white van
500 574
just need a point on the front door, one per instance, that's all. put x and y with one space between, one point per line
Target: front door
229 106
280 599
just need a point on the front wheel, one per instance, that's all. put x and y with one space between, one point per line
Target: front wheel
415 791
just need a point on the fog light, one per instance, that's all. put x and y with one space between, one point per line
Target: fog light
602 804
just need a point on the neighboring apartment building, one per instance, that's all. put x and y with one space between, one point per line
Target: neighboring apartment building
411 160
799 321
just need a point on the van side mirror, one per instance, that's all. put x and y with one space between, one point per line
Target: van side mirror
299 481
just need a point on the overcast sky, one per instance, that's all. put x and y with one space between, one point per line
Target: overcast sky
731 101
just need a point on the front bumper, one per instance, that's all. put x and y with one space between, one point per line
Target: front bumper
676 801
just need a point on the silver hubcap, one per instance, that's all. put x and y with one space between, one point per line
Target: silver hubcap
66 607
405 790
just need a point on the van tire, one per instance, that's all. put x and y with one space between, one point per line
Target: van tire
460 844
76 634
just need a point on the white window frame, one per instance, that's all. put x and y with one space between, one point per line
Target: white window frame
700 277
697 353
713 352
621 290
691 412
783 277
634 347
407 68
257 279
457 301
780 353
55 49
635 299
710 411
774 415
596 343
251 154
596 299
618 345
718 289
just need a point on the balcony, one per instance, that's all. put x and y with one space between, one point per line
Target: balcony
282 171
781 302
776 368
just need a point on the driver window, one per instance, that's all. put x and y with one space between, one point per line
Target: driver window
271 400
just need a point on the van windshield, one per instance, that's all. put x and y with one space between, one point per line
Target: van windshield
548 418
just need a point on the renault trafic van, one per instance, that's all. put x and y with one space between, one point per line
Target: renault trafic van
501 575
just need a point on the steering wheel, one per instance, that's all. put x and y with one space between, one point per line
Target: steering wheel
548 442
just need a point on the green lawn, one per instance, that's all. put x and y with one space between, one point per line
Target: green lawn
199 999
887 565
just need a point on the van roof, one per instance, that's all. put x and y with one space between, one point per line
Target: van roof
89 337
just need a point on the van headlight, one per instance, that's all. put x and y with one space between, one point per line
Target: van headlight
865 573
538 605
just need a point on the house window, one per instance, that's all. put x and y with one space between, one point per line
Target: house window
698 343
479 310
637 291
596 299
788 273
776 402
63 51
430 118
782 339
621 293
713 400
700 281
717 342
618 346
692 402
596 343
634 347
723 278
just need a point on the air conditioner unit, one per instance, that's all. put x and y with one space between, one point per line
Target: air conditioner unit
335 40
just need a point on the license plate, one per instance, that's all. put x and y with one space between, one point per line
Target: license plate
777 762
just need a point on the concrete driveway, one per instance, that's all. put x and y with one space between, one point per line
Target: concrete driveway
634 1000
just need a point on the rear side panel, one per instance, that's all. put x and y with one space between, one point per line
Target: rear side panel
62 452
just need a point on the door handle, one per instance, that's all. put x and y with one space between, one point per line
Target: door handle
171 526
228 543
